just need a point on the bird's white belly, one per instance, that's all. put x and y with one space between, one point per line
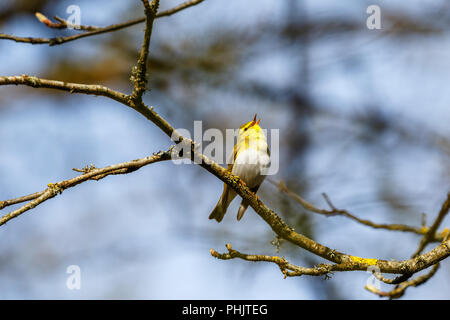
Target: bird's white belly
249 166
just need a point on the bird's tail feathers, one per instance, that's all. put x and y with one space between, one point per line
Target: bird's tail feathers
218 212
222 205
242 208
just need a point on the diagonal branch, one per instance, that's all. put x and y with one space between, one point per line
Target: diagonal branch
10 202
91 173
429 235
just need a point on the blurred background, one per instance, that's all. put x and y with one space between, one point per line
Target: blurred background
363 116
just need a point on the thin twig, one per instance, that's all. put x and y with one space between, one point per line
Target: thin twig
436 237
10 202
62 24
402 281
98 30
428 237
43 19
54 188
139 72
400 289
91 89
288 269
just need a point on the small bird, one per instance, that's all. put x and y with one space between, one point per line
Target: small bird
249 160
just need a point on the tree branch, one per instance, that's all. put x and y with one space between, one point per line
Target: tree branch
97 30
6 203
62 24
400 289
90 89
139 72
288 269
429 235
348 262
402 281
91 173
433 236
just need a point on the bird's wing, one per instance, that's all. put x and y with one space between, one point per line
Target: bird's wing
232 158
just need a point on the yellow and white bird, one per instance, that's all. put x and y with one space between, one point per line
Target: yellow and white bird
250 160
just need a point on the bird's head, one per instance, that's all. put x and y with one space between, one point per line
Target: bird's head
250 127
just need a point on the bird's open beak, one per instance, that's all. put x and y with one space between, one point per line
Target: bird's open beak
254 120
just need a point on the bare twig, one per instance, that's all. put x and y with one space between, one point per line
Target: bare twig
91 89
63 24
97 30
10 202
429 235
178 8
95 174
401 288
288 269
139 72
402 281
434 237
43 19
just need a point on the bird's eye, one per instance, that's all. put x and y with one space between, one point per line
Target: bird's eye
245 129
